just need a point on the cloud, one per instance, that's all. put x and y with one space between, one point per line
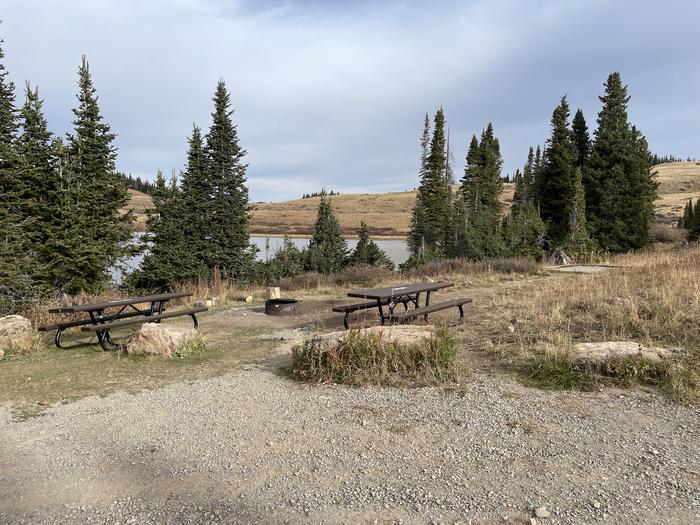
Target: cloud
333 93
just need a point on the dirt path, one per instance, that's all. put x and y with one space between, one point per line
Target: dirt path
254 446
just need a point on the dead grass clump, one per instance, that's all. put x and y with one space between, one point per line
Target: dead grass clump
361 276
503 265
366 358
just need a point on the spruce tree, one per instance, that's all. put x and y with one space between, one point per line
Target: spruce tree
620 184
470 188
416 237
520 193
16 286
41 196
432 208
98 233
491 183
367 251
169 260
196 197
581 139
328 251
524 232
556 181
228 241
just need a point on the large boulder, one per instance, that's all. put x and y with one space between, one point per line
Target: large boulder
559 258
402 334
591 356
155 338
16 335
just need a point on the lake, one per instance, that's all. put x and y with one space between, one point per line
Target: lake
397 250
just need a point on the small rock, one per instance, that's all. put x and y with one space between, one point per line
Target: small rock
542 512
156 338
249 299
595 504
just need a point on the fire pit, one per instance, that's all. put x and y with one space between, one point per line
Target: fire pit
281 306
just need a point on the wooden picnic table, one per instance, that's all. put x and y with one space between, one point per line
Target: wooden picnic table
131 310
392 296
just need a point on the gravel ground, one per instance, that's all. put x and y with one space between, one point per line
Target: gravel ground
256 447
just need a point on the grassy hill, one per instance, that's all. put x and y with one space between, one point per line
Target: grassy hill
388 214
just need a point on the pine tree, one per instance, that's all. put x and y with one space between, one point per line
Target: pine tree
491 183
96 193
620 184
556 181
579 242
16 286
520 193
41 197
432 208
168 260
228 241
367 251
328 251
686 220
416 238
470 188
581 139
196 197
525 232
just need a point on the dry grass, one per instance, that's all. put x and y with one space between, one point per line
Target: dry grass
366 358
678 181
653 302
388 214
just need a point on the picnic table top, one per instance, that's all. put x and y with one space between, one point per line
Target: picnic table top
91 307
398 291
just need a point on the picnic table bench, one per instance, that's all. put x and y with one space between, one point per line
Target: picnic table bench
408 294
130 312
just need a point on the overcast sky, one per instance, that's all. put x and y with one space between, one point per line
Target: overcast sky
333 93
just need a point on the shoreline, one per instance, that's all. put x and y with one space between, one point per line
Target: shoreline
308 236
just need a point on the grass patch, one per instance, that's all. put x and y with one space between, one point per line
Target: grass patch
362 358
191 347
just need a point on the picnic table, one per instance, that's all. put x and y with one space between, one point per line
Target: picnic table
408 295
129 311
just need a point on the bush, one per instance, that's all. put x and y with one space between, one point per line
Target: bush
365 357
361 275
666 233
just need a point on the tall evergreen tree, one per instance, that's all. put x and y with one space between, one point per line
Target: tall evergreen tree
433 199
328 251
491 183
196 197
228 241
16 285
416 238
96 193
41 198
581 139
619 181
470 188
556 182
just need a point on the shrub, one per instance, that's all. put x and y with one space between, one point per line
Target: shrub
365 357
506 265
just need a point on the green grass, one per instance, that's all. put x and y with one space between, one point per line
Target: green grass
366 358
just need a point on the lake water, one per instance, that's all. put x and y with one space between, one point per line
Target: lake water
397 250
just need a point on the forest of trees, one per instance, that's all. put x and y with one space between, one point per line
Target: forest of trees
60 198
579 193
62 228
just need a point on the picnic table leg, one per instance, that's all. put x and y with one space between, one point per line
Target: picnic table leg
427 303
381 311
57 339
102 335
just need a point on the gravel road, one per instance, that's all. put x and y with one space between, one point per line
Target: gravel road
256 447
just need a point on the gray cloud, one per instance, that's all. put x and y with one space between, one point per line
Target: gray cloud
333 93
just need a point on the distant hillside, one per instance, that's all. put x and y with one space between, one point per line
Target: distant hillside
388 214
